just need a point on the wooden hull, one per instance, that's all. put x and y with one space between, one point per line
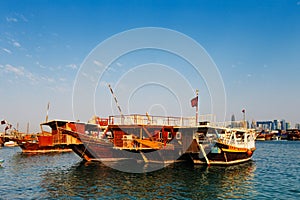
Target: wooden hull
129 143
93 149
221 154
293 137
100 150
293 134
31 147
1 141
82 152
264 136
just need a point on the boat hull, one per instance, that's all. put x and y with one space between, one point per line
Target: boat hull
222 154
30 147
152 143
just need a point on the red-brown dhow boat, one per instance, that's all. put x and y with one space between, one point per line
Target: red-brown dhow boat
157 139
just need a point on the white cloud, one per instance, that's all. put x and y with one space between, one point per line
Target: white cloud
119 64
89 76
98 63
19 71
51 80
22 75
72 66
47 79
16 44
16 17
60 89
11 19
23 18
6 50
85 74
112 69
40 65
31 77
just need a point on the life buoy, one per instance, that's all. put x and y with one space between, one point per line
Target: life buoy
249 153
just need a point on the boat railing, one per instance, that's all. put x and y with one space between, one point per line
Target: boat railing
204 120
137 119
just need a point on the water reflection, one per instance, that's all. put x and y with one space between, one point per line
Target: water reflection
95 180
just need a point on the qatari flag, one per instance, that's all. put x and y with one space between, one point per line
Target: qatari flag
194 101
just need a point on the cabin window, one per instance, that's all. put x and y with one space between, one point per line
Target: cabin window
109 134
169 135
178 135
160 135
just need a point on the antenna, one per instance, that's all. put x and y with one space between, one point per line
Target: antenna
48 106
118 106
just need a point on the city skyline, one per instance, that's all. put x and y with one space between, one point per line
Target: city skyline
254 44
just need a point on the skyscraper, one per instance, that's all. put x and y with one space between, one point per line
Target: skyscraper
283 125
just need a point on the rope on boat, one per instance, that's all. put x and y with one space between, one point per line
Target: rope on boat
204 154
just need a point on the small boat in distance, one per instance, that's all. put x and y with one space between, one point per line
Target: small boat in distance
265 135
49 140
293 134
10 144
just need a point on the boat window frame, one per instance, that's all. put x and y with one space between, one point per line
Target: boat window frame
170 136
178 135
160 136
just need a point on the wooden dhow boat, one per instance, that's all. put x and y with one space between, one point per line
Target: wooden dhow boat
157 139
220 145
50 139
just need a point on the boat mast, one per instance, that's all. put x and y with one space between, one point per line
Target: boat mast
244 118
27 130
118 106
197 92
48 106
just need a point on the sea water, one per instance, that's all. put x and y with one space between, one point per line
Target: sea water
273 173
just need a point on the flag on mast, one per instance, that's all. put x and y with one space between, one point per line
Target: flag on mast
3 122
194 101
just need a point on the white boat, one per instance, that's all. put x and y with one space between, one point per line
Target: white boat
10 144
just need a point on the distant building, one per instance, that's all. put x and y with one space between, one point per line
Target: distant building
288 125
253 125
297 126
233 123
264 125
232 118
283 125
273 125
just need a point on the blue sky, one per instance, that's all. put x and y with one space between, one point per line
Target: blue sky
255 45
